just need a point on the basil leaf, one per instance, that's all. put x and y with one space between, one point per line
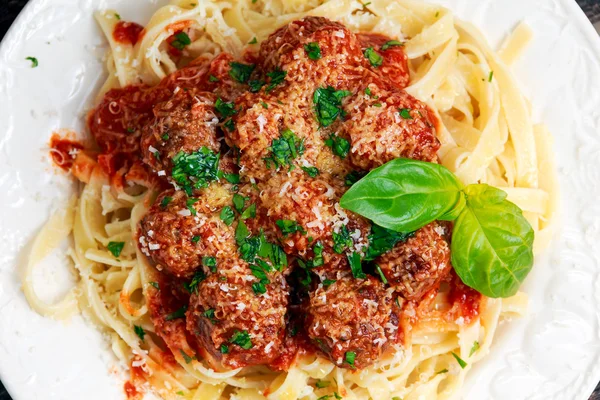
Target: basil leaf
405 195
492 243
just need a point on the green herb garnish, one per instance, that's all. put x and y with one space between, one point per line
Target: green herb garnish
115 248
311 171
195 170
277 77
177 314
227 215
210 262
284 150
391 43
474 348
187 358
181 41
328 104
139 331
356 266
375 59
341 240
288 227
381 274
249 212
460 361
313 51
339 146
382 240
350 357
165 202
242 339
34 61
405 113
253 41
232 178
241 72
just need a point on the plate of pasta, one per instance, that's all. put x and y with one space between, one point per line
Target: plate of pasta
307 199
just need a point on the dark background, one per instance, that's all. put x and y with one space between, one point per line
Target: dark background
9 9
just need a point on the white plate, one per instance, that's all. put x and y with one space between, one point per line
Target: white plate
554 353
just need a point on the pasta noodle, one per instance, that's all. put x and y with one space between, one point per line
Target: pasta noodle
487 136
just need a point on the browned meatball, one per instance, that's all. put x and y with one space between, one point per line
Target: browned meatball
185 123
232 322
352 316
177 240
394 62
416 266
389 123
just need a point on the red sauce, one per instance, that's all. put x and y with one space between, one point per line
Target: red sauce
467 299
63 151
128 32
131 391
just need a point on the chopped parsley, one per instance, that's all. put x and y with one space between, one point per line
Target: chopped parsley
460 361
444 371
195 170
284 150
311 171
210 314
474 348
115 248
117 16
34 61
139 331
155 285
195 239
350 357
213 78
329 282
180 393
396 398
176 314
249 212
192 287
259 287
322 384
238 202
187 358
232 178
405 113
391 43
242 339
341 240
265 105
210 262
164 137
181 40
253 41
224 349
353 177
256 85
241 72
226 110
317 260
227 215
313 51
382 240
381 274
491 76
287 227
339 146
328 104
277 77
375 59
190 205
356 266
337 396
379 105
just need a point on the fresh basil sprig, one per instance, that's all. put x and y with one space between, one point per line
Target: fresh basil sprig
492 242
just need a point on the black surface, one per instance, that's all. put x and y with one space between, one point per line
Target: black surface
9 9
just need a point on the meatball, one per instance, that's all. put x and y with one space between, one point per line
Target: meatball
418 265
177 240
387 123
352 316
394 62
313 51
184 123
233 322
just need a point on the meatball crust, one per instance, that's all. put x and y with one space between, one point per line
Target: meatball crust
352 315
388 124
177 240
184 123
418 265
395 62
226 307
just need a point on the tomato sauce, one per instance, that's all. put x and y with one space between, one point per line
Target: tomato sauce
131 391
466 299
63 151
128 32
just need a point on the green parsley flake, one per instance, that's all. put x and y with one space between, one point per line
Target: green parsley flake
241 233
227 215
356 266
288 227
198 277
329 282
313 51
187 358
460 361
139 331
379 105
232 178
154 285
322 384
337 396
381 274
405 113
224 349
249 212
226 110
117 16
195 239
180 393
491 76
265 105
242 339
210 262
176 314
474 348
210 314
317 260
311 171
165 136
396 398
256 85
190 205
277 77
391 43
284 150
115 248
213 78
382 240
341 240
253 41
339 146
444 371
350 357
238 202
34 61
353 177
241 72
181 41
328 104
195 170
374 57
